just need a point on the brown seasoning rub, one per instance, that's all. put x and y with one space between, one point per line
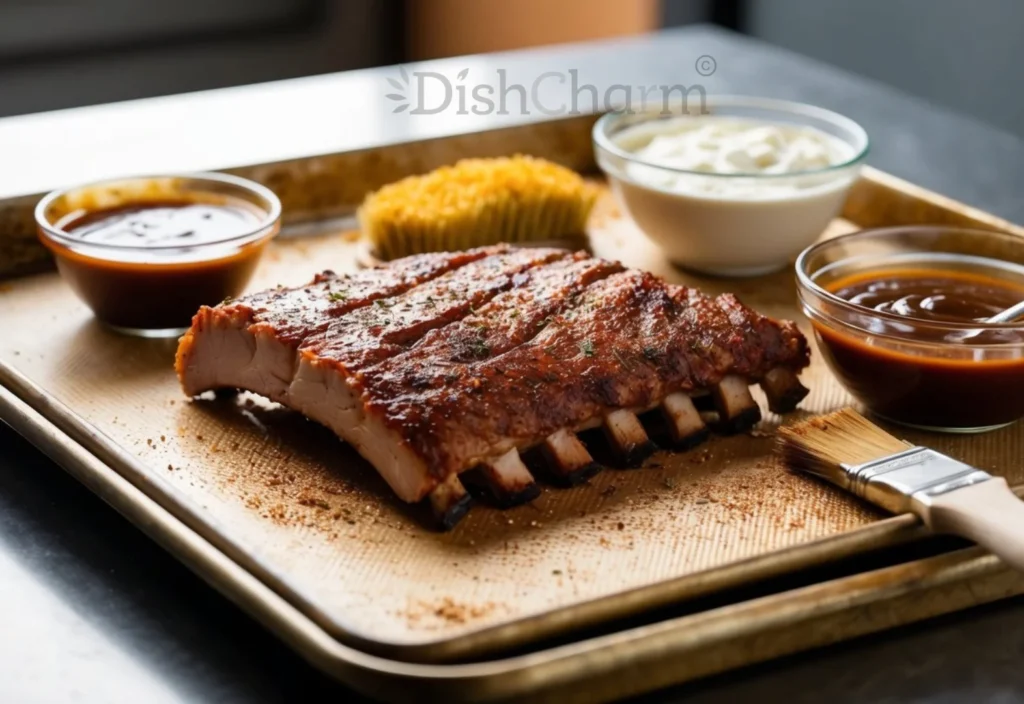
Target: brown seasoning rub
373 333
295 314
458 352
446 611
629 340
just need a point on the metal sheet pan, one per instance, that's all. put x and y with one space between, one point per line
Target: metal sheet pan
263 494
603 668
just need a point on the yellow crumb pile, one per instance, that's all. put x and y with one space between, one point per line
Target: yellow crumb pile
476 202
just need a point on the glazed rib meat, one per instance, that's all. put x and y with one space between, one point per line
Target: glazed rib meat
441 366
628 342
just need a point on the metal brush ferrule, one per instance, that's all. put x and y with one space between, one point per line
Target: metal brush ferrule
898 481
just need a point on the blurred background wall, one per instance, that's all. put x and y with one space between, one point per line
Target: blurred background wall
64 53
965 55
453 27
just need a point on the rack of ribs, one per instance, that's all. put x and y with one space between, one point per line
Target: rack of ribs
444 367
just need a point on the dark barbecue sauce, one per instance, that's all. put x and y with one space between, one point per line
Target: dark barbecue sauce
947 381
928 295
162 224
150 265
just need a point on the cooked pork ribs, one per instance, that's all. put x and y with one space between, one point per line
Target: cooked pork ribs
442 365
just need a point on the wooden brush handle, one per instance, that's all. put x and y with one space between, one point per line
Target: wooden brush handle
987 513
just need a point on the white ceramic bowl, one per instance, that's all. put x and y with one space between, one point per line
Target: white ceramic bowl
737 224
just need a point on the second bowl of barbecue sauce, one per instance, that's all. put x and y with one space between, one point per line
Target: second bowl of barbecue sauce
145 253
899 315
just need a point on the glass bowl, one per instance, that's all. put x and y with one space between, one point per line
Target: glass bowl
153 289
735 224
944 376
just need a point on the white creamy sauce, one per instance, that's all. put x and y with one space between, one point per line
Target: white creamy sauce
732 146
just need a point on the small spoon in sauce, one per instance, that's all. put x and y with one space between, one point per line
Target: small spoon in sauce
1008 315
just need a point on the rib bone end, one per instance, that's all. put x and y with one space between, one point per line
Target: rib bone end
450 502
783 389
627 437
737 409
568 461
685 425
508 480
692 440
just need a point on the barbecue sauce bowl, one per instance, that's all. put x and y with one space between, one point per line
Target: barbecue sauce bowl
895 313
145 253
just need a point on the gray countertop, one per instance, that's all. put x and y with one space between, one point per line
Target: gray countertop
91 610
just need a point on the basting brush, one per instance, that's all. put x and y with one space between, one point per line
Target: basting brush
949 496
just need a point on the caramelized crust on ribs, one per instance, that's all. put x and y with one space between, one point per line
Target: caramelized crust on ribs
361 337
628 342
442 363
294 314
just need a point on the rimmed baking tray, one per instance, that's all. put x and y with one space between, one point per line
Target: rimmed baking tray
603 668
263 503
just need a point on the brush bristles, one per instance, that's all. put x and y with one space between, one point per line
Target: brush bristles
822 445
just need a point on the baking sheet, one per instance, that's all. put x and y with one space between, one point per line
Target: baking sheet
595 669
297 511
301 510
